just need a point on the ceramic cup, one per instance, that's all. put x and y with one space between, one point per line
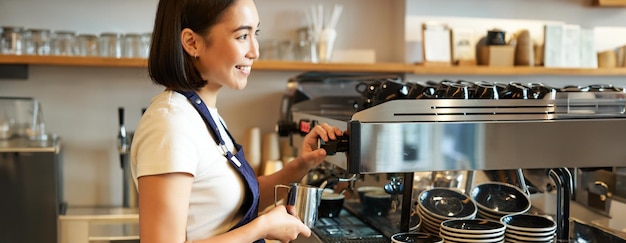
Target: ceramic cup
378 203
330 205
365 189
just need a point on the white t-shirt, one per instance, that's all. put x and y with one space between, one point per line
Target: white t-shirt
172 137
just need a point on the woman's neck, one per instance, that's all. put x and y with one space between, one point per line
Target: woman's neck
209 95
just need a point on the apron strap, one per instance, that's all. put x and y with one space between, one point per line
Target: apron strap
252 202
215 132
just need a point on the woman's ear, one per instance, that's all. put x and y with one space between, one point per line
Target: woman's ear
189 41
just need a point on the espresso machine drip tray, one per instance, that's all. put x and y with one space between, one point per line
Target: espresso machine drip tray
347 228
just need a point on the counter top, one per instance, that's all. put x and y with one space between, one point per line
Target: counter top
21 144
114 232
86 224
94 213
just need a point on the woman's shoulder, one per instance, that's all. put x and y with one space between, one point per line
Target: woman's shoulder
169 105
171 100
170 110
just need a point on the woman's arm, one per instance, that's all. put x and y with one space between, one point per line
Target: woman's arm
310 157
163 208
276 224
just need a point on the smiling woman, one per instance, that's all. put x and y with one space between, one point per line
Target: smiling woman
233 39
193 179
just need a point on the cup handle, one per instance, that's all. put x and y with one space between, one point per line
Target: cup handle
276 193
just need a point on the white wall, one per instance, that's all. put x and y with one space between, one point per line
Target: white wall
571 11
80 103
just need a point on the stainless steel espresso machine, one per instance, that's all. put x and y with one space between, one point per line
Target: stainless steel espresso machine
400 128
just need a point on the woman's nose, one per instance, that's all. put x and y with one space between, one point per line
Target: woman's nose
253 52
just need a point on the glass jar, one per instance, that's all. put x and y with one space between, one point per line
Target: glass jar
12 40
132 45
64 43
146 41
268 50
110 46
285 50
87 45
303 45
37 41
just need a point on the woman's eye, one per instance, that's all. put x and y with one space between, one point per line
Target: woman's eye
243 37
256 33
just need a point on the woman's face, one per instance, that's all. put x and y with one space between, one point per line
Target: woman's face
231 47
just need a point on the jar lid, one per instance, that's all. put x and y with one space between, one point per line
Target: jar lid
109 34
64 32
38 30
88 36
12 29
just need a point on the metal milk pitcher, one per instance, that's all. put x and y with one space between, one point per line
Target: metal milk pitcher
305 200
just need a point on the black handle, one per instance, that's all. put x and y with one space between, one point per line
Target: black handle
285 128
333 146
120 115
121 137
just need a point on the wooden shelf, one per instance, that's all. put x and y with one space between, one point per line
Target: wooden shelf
258 65
73 61
333 67
508 71
325 67
610 3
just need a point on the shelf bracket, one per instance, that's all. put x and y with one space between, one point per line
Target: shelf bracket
13 71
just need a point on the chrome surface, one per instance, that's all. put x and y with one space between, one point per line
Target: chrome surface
305 199
585 224
347 227
564 187
596 188
587 232
569 129
31 182
566 106
490 145
447 134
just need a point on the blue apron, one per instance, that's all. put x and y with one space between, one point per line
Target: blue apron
238 161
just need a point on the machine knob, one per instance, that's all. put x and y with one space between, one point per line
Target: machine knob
333 146
285 128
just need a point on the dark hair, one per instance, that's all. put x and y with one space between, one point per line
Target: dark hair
168 63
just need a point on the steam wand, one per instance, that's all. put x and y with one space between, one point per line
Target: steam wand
334 180
122 143
564 186
122 139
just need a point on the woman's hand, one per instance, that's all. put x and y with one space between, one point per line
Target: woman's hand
283 226
310 154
